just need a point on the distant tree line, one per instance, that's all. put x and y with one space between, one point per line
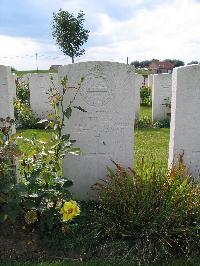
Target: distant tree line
175 62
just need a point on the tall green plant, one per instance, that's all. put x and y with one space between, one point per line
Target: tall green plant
145 96
23 113
43 186
158 214
9 200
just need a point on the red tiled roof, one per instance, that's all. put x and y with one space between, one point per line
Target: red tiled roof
161 65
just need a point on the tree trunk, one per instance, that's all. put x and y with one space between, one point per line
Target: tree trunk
72 59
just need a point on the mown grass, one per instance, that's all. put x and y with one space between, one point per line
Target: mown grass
145 111
22 72
39 134
178 262
150 143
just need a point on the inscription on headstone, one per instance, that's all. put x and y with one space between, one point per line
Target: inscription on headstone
106 131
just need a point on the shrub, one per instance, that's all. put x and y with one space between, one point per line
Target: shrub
164 123
23 113
41 189
145 96
9 200
157 213
22 91
144 122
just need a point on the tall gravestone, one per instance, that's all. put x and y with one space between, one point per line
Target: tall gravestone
14 77
161 95
139 81
185 117
39 85
106 131
150 80
7 88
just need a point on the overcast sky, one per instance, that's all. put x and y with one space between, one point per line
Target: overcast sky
139 29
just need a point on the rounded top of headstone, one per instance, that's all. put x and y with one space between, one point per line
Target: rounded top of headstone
99 63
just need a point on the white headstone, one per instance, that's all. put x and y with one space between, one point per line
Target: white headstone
14 77
161 94
185 117
39 85
6 92
139 81
106 131
150 80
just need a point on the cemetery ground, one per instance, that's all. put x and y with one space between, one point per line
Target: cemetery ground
143 216
152 143
178 262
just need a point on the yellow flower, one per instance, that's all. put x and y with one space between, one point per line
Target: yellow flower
69 210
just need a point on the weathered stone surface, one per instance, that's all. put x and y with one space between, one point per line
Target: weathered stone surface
7 88
139 81
39 85
106 131
150 80
161 94
185 117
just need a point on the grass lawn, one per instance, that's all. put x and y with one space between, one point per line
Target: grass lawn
40 134
19 73
179 262
150 143
145 111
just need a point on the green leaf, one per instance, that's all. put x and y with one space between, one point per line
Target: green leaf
12 209
3 216
29 203
80 108
66 137
6 188
67 184
68 112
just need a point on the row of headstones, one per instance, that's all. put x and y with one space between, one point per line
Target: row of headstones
105 132
160 84
161 93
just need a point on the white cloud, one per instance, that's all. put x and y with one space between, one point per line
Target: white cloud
168 30
21 53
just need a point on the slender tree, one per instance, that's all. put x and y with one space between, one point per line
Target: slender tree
69 33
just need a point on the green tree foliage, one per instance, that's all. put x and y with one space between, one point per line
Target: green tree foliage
146 63
141 64
69 33
193 62
175 62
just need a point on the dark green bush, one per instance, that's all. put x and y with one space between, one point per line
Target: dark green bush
157 213
22 91
9 200
144 122
23 113
164 123
145 96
